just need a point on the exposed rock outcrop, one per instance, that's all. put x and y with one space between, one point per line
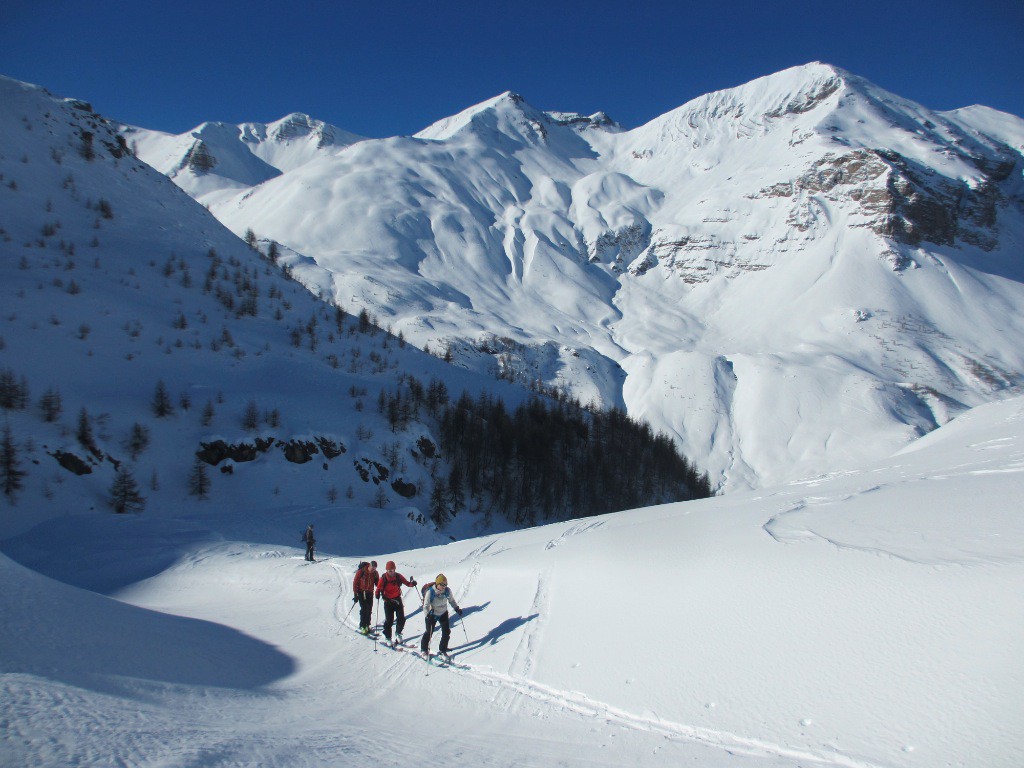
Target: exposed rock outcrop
403 489
72 462
902 200
370 470
213 453
299 451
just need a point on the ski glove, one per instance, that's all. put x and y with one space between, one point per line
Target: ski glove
458 611
355 599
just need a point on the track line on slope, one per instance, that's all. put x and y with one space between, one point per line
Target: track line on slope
512 686
579 703
522 659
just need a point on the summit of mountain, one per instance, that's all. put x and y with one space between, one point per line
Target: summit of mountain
510 115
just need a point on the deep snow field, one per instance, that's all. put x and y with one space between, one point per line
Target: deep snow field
867 618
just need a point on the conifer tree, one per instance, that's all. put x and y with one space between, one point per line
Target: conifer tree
456 497
11 474
199 480
137 440
162 401
13 394
124 492
438 505
50 405
84 431
207 417
251 417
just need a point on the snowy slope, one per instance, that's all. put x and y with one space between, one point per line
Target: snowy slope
113 281
866 618
723 271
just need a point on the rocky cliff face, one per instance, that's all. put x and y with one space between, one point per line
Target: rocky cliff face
904 201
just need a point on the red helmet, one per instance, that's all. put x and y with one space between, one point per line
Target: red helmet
390 566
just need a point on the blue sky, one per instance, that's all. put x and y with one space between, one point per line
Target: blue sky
392 68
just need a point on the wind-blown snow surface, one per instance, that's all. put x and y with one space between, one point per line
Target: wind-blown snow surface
789 277
868 618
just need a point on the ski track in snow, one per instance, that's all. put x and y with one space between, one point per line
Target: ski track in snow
573 530
514 688
467 583
507 697
476 553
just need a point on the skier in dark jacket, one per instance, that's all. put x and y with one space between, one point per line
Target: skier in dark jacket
310 542
390 586
436 598
363 584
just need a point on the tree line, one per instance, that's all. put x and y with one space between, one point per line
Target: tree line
549 458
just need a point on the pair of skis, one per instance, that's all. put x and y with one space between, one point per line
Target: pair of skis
439 660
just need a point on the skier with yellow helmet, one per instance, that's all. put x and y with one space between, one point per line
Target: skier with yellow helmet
436 598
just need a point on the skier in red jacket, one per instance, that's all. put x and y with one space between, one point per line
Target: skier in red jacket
363 584
390 586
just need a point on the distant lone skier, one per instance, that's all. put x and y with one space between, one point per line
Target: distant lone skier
390 586
310 542
362 592
436 598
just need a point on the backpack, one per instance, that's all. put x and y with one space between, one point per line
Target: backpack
424 588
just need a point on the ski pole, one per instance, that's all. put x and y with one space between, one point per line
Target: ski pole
376 615
462 623
430 631
349 612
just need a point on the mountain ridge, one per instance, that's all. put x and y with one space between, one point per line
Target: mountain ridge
804 233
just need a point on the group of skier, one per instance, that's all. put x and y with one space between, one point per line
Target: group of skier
437 596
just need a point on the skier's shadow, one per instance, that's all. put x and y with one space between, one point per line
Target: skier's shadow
492 637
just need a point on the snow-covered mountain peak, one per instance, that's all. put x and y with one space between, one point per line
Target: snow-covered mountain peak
217 158
502 111
511 116
297 126
761 106
796 90
293 126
